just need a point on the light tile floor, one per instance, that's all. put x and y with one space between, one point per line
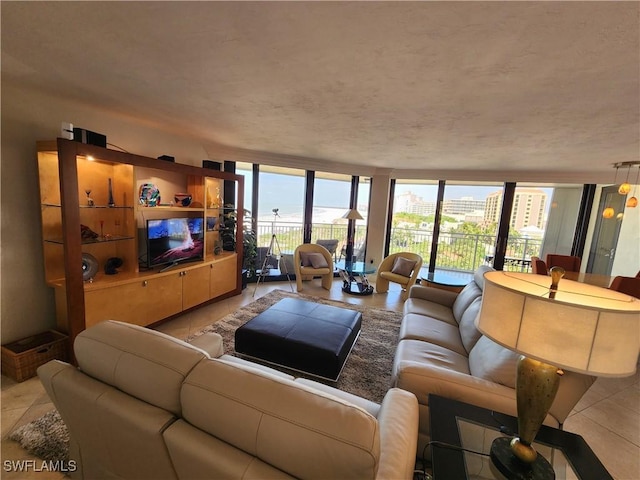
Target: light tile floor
608 416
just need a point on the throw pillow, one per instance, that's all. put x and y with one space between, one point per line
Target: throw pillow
317 260
403 266
493 362
304 258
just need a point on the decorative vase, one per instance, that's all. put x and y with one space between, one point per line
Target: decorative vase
111 202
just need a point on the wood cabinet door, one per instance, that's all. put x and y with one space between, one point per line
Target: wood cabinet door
195 286
125 303
223 276
163 297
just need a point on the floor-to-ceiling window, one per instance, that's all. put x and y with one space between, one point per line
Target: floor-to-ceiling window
413 217
470 216
281 199
476 226
331 194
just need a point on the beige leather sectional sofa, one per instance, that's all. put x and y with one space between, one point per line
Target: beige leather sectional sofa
441 352
142 404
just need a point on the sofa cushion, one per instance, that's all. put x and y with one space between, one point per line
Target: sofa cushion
146 364
429 309
469 334
394 277
493 362
468 294
478 275
426 353
427 329
403 266
277 420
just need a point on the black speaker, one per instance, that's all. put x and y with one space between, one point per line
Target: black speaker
211 165
91 138
168 158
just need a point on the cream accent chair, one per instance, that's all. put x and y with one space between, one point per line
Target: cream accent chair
307 261
401 273
142 404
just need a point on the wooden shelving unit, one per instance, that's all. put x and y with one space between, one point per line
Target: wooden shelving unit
98 190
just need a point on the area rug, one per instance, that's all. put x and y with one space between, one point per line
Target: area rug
367 372
46 438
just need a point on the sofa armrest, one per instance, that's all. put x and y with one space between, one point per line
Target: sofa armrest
210 343
47 372
425 379
437 295
398 422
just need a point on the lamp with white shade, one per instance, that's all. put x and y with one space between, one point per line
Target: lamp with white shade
562 325
352 215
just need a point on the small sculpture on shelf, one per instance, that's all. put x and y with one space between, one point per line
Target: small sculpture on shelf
90 202
215 202
111 266
112 203
87 234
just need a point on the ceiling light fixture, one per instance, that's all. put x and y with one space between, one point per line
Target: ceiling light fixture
609 212
632 202
624 187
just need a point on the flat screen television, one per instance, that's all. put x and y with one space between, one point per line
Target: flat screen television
174 240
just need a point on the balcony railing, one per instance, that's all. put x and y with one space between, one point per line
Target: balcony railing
456 251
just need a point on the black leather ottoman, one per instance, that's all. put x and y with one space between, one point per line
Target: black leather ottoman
304 336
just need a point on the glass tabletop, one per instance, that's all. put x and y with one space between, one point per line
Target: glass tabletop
448 279
457 424
356 268
476 437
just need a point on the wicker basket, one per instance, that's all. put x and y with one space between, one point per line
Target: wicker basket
20 359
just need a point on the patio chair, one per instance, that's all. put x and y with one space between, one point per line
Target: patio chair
330 244
358 252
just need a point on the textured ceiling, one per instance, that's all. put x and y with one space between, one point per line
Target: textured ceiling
536 86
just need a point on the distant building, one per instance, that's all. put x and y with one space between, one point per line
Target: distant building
461 206
529 206
411 203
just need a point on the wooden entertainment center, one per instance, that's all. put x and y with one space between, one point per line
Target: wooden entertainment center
93 207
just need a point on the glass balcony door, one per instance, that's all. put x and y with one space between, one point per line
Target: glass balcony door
331 199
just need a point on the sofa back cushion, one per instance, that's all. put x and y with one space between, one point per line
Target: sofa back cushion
146 364
470 292
493 362
302 431
469 334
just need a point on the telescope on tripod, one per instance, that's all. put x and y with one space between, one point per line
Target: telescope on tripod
274 244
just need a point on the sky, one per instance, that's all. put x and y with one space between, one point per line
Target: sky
286 193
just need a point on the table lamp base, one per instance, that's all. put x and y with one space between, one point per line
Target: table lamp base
513 468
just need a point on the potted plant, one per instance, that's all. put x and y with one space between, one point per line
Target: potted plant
228 224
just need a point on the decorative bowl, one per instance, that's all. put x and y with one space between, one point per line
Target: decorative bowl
182 199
